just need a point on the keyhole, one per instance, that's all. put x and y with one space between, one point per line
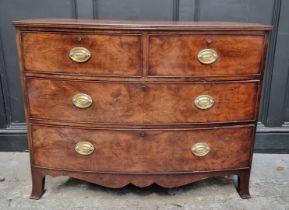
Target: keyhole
142 134
144 88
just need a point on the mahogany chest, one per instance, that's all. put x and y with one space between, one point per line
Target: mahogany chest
141 102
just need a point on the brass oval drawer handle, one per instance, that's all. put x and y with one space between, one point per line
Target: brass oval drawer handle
207 56
81 100
204 102
84 148
200 149
79 54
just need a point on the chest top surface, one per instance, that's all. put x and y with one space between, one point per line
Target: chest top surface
140 24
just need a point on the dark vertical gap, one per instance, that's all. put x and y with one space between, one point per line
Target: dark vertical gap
94 7
3 117
270 63
176 10
197 10
74 9
5 96
286 101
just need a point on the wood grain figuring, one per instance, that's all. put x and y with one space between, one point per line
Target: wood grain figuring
143 78
142 151
110 54
178 54
149 103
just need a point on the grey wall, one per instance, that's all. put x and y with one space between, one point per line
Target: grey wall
273 129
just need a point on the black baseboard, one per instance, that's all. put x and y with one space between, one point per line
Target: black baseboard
272 143
13 142
268 140
14 138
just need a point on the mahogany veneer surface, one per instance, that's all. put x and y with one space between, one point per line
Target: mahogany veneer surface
143 78
142 151
111 54
130 103
177 54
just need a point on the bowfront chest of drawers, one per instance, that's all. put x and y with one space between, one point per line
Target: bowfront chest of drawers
119 102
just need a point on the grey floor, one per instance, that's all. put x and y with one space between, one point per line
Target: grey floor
269 190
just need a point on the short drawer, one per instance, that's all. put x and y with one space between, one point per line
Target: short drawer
138 151
142 103
205 55
97 54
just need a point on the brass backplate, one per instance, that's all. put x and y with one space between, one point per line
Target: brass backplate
207 56
84 148
79 54
204 101
200 149
82 100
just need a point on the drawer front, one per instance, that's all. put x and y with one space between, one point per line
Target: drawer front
68 53
138 151
182 55
150 103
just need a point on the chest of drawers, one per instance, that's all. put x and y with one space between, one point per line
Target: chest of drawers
119 102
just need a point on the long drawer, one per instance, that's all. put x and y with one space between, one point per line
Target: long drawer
142 103
139 151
